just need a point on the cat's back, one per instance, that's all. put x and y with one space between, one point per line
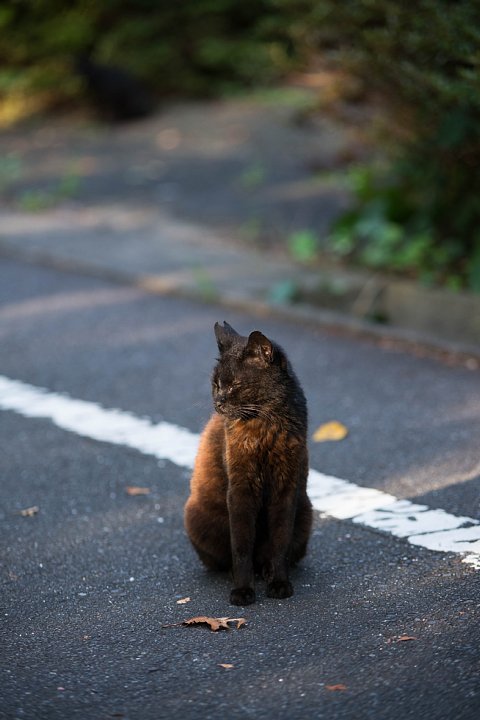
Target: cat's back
208 472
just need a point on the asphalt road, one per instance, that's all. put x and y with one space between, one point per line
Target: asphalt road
88 581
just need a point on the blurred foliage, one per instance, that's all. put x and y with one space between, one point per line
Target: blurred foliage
303 245
391 228
421 216
193 47
283 292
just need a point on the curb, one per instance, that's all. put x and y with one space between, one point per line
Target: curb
410 340
402 308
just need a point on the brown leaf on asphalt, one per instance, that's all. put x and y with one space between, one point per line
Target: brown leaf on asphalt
213 623
227 666
333 430
183 601
30 511
339 686
133 490
400 638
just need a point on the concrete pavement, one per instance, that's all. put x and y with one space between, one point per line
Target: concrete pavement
199 201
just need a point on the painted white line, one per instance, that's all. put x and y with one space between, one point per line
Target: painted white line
164 441
433 529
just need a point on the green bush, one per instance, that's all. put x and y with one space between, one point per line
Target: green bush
193 47
388 228
422 215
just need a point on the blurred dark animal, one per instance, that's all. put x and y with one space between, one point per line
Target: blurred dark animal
116 94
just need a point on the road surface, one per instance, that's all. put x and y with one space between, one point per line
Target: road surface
89 579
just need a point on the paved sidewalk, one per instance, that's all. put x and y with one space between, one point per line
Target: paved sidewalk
199 201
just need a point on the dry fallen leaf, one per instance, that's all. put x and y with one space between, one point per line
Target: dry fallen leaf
30 511
183 601
333 430
216 623
227 666
213 623
400 638
339 686
133 490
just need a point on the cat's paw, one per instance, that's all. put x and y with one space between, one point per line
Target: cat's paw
279 589
242 596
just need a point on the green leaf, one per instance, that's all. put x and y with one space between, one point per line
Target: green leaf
36 200
382 244
283 292
413 252
361 181
303 245
342 241
474 269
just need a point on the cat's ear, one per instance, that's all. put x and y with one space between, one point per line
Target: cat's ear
259 348
225 335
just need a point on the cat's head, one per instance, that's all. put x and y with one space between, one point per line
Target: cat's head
251 375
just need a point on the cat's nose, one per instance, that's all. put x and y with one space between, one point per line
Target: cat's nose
219 402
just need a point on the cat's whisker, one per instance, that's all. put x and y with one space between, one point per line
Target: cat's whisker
258 411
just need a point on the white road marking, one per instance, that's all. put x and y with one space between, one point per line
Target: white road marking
164 440
436 530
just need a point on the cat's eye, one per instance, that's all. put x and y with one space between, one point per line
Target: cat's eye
234 386
227 389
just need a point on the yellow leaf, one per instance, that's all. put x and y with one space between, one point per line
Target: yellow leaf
227 666
333 430
183 601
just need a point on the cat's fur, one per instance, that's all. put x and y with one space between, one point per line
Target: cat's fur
248 510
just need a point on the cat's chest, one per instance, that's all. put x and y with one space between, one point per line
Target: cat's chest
259 444
252 439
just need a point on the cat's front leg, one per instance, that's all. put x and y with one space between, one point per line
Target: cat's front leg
242 508
281 517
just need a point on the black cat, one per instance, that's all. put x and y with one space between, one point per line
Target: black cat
248 509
